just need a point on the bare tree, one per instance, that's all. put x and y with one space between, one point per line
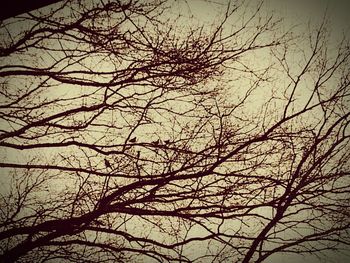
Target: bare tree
130 132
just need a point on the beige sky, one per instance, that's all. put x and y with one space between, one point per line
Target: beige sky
294 11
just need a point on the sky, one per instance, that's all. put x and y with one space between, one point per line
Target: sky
296 11
302 12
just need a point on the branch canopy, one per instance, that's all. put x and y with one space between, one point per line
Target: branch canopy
142 131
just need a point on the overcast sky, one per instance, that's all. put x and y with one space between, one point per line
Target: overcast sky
301 11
